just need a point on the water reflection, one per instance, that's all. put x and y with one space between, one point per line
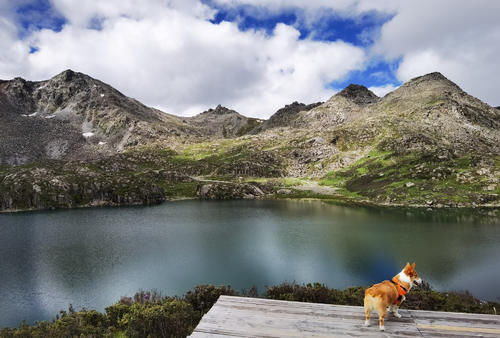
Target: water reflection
92 257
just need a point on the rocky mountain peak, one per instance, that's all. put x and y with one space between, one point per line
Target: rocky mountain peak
285 116
223 122
431 80
358 94
66 75
220 110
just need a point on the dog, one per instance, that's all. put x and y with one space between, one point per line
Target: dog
390 294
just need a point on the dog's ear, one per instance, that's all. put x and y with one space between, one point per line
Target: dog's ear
413 266
407 266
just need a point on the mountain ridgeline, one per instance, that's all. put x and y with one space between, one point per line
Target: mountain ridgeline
75 141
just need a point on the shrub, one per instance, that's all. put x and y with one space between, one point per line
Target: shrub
148 314
203 297
174 318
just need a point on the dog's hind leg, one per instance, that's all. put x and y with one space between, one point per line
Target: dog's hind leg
368 308
367 317
382 312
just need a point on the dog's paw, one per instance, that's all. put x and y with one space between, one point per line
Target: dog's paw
367 323
397 315
382 328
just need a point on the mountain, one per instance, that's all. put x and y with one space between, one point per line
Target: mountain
344 106
285 116
222 122
72 116
426 144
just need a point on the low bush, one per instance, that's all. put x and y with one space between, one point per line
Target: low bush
148 314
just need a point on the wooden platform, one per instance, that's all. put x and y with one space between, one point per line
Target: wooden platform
253 317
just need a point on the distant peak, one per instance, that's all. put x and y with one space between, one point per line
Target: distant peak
68 75
220 110
435 77
358 94
430 77
19 79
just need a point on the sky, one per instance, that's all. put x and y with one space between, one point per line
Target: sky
254 56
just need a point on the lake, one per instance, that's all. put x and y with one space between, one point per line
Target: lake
92 257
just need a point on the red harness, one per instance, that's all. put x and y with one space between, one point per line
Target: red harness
401 291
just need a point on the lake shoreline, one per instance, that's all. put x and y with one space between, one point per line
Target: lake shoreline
337 200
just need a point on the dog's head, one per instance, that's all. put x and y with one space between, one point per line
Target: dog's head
409 271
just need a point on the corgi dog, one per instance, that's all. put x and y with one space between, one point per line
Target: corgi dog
390 294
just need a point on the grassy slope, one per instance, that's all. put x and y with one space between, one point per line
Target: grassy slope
380 177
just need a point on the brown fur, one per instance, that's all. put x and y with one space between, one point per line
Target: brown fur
385 294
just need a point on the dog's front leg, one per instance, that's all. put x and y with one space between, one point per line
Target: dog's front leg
394 309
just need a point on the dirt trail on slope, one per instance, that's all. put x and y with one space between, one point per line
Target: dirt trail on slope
316 188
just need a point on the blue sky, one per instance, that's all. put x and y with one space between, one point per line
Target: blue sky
36 15
251 55
328 27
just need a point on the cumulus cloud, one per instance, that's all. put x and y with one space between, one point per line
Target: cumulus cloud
459 39
381 91
175 59
12 51
169 55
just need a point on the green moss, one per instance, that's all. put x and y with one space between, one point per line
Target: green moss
179 189
412 178
292 182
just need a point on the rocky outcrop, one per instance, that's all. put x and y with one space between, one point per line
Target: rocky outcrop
115 181
347 105
359 94
285 116
223 122
228 191
43 189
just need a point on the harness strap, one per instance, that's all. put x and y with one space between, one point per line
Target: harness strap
401 291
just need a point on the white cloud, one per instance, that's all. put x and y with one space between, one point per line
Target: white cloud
457 38
12 51
461 39
381 91
168 57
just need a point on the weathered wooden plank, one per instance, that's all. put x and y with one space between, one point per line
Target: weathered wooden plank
251 317
297 312
221 312
273 302
209 335
334 332
441 314
322 311
284 322
239 320
461 330
435 333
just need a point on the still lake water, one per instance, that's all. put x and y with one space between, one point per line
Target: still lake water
91 257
